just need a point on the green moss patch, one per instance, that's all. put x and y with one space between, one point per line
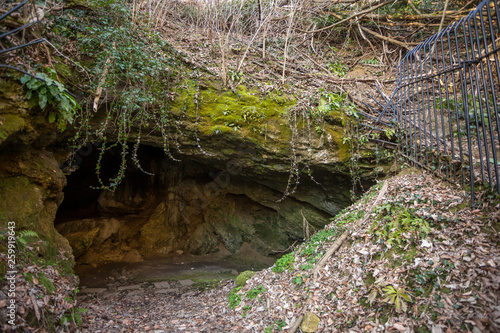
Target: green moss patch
241 280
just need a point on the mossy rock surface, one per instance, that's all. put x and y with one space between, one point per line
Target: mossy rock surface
310 323
241 280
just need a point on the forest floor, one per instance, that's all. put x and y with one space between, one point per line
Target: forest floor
411 255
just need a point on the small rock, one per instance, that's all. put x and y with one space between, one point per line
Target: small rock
162 285
310 323
186 283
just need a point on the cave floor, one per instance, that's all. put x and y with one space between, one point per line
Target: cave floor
180 267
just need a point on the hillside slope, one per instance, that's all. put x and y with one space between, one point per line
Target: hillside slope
419 259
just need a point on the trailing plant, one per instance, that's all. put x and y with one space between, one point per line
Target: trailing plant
311 112
73 315
130 64
355 139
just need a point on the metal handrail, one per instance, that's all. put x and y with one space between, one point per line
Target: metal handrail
446 101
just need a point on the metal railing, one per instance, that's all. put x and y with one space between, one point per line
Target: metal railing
14 31
445 104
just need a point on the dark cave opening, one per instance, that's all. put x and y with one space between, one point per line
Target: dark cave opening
192 210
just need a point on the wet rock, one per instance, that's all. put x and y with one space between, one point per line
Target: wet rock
221 214
107 229
164 229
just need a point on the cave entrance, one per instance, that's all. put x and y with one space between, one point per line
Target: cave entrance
188 218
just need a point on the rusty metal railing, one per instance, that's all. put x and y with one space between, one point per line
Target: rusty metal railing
445 104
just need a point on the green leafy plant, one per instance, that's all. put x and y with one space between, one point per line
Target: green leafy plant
398 297
298 280
307 266
280 323
372 61
234 298
44 90
319 130
284 263
390 133
334 102
24 236
246 308
235 76
251 114
390 229
252 293
338 68
73 316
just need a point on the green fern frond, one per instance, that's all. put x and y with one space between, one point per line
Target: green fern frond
27 233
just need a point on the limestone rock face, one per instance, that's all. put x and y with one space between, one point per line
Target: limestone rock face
226 193
133 256
31 182
81 241
203 240
164 229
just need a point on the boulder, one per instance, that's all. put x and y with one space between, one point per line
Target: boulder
81 241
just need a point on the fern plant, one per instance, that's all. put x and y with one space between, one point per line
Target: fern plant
24 235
